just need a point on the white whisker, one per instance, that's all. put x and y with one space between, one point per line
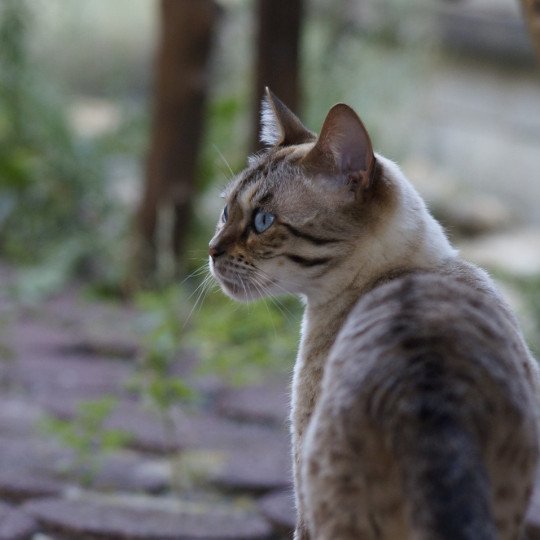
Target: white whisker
204 285
223 159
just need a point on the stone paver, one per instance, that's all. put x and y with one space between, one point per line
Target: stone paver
58 365
19 485
33 454
18 416
46 373
235 444
141 520
15 524
128 471
35 467
256 467
265 403
278 508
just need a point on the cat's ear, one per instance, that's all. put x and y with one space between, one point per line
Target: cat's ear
279 125
343 149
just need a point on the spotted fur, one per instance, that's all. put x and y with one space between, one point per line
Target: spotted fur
414 398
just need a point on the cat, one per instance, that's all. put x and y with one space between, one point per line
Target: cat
414 395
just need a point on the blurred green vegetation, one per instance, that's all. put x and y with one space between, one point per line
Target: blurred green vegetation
57 215
242 343
68 195
87 435
528 289
61 215
247 341
58 204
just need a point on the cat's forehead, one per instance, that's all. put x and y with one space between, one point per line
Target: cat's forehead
266 174
248 195
260 177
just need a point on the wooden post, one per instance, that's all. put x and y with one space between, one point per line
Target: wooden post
531 12
181 81
278 55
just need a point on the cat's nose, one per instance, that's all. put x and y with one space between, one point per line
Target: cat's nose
215 250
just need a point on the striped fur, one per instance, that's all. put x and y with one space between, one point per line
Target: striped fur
414 402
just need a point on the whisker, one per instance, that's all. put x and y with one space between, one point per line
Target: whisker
210 285
201 288
265 294
285 312
223 159
201 284
197 272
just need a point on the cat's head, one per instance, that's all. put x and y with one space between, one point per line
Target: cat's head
293 218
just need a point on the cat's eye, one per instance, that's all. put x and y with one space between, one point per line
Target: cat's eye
262 220
225 214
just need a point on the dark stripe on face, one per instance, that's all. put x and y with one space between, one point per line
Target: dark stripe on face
302 261
260 171
265 199
317 240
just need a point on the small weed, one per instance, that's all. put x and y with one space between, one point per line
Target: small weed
243 343
87 435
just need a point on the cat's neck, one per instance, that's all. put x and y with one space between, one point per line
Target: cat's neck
410 240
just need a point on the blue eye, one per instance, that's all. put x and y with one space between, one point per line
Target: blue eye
225 214
262 220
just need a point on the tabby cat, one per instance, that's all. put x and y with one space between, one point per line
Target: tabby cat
414 398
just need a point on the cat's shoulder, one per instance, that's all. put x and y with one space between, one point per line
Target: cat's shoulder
449 288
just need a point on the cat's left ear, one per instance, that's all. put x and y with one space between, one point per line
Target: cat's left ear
343 149
279 125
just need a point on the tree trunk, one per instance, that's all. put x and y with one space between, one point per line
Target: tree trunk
278 58
181 80
531 11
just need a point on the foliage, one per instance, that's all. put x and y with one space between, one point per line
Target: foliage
43 170
241 342
244 343
58 216
529 287
87 435
155 379
222 138
7 356
161 345
379 61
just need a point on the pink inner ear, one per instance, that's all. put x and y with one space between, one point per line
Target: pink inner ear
351 157
346 138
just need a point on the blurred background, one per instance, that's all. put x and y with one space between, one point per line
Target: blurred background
136 399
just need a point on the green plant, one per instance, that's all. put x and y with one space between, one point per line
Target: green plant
162 327
529 289
243 343
87 435
7 355
155 379
58 213
48 180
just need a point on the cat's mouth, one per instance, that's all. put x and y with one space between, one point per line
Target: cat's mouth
239 287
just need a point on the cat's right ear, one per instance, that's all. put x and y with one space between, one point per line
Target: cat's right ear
279 125
343 151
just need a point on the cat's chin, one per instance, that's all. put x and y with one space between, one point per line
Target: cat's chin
239 293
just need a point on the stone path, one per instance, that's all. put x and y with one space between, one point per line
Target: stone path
213 479
225 474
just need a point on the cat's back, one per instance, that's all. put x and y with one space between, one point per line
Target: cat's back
453 315
430 395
